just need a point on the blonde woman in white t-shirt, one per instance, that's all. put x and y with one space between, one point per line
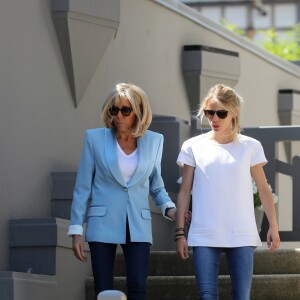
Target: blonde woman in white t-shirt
218 168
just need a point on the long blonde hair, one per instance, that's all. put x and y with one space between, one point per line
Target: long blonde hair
229 99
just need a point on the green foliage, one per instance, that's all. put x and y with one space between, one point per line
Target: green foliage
232 27
256 200
286 46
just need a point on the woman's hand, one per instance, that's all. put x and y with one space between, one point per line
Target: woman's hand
182 248
78 247
273 239
172 213
187 218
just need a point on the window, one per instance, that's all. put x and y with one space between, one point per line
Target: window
285 15
236 15
281 16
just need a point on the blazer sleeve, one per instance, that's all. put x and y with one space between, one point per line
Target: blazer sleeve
83 187
157 187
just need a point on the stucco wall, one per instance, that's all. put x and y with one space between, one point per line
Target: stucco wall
41 131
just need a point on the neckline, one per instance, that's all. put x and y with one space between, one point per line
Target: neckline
214 142
221 144
127 155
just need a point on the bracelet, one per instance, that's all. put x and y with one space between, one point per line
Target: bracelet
178 238
179 234
179 229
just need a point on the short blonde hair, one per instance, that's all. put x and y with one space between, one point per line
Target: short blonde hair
139 103
229 99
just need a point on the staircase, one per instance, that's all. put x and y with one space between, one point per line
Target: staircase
43 265
276 276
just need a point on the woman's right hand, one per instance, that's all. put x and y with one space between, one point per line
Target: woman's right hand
182 248
78 247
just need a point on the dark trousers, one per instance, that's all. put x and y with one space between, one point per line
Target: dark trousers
136 257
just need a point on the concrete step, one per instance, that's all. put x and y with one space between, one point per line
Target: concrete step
276 276
264 287
164 263
21 286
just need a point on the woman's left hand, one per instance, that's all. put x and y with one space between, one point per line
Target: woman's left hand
187 218
273 239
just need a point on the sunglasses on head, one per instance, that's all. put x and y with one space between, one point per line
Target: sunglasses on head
125 111
222 114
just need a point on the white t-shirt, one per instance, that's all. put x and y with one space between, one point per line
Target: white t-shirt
222 196
127 163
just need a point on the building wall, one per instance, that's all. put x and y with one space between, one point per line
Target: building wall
41 130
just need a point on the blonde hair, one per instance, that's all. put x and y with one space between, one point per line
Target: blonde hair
139 104
229 99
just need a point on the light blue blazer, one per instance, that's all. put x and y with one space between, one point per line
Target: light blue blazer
112 199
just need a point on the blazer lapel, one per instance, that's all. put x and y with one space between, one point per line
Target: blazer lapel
143 164
111 154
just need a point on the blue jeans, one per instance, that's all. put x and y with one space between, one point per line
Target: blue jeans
136 259
240 267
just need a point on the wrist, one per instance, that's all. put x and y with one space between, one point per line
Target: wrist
181 238
170 212
179 234
180 229
273 225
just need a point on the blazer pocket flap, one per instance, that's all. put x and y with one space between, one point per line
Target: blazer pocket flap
97 211
146 214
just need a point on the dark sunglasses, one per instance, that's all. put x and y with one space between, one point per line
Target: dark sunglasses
125 111
222 114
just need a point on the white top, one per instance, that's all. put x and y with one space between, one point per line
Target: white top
222 196
127 163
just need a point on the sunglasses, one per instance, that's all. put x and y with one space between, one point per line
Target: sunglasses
222 114
125 111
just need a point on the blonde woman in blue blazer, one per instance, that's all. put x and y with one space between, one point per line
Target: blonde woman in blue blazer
120 165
